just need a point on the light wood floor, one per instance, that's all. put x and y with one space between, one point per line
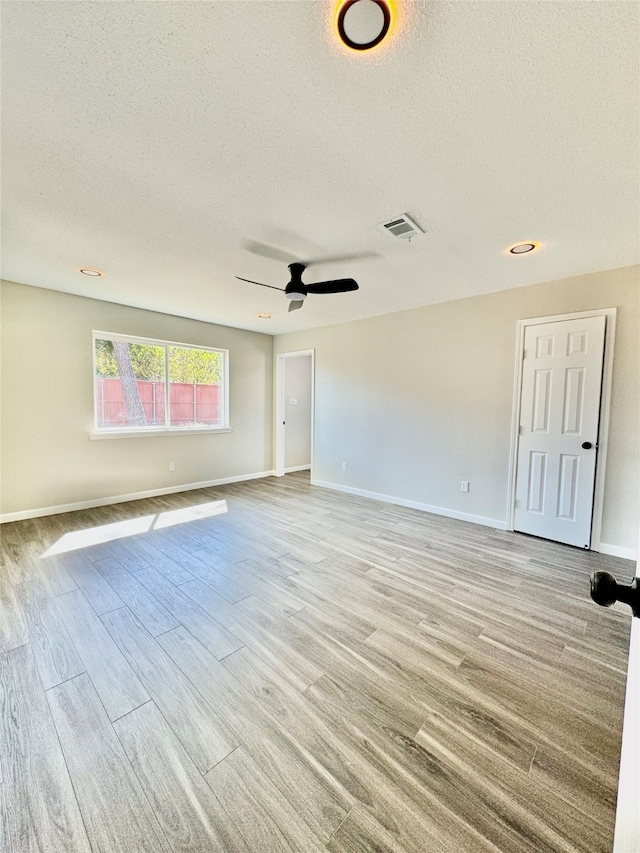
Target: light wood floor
306 671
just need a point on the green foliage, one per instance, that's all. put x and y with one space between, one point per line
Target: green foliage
194 366
147 360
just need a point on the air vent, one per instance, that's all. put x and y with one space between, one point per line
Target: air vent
401 227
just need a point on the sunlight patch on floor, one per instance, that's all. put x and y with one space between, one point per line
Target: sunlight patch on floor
78 539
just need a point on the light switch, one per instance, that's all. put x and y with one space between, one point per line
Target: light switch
293 401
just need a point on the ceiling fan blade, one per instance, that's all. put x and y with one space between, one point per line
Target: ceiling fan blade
340 259
267 251
260 283
295 304
274 253
339 285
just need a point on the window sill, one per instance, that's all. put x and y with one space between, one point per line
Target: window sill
99 435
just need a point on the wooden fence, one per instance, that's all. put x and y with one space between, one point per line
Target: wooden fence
188 404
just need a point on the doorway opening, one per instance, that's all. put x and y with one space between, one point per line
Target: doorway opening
295 375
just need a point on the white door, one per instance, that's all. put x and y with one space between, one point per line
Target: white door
627 836
559 415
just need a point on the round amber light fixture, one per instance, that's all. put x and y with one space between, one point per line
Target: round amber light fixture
362 24
523 248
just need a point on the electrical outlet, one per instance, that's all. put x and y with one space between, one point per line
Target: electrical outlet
172 466
344 466
464 485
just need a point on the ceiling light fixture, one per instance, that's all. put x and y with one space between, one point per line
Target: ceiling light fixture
89 271
265 316
362 24
523 248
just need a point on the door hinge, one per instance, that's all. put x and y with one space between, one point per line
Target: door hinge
520 430
517 503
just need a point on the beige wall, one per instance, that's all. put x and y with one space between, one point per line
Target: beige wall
419 400
414 402
47 456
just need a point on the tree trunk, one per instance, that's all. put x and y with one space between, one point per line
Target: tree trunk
135 411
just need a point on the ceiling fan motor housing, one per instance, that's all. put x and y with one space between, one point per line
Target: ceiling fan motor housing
296 289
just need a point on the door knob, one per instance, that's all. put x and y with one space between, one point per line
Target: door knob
605 590
586 445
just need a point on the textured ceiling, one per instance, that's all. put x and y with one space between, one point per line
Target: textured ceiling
156 141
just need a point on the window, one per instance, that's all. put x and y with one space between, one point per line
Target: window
146 385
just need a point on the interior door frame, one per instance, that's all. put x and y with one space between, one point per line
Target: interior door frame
280 406
605 406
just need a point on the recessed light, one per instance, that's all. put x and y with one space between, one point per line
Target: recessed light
523 248
89 271
265 316
362 24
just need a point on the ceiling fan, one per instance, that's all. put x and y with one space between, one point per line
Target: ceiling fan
296 291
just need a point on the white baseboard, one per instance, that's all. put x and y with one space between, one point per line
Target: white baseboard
134 496
435 510
297 468
618 551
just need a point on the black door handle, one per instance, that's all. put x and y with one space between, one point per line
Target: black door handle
586 445
605 590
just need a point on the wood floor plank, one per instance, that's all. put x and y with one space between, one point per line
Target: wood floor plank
13 630
577 784
206 738
297 716
97 591
126 554
325 588
184 547
5 839
339 623
410 644
19 828
116 813
186 608
458 744
15 566
42 811
53 575
54 653
236 549
339 759
352 671
319 800
360 833
145 549
265 817
97 552
207 567
190 815
292 664
257 582
118 687
541 712
410 781
145 606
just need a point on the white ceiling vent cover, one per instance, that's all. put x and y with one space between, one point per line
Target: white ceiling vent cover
401 227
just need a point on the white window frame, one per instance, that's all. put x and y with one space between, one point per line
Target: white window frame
146 431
